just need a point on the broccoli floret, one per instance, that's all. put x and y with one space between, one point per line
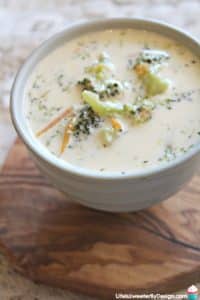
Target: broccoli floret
139 113
86 120
99 79
152 57
112 89
87 84
102 108
101 68
154 84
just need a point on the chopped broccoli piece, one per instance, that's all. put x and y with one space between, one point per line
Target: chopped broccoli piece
110 88
154 84
142 115
102 108
104 57
98 70
101 68
139 113
85 121
99 79
152 56
87 84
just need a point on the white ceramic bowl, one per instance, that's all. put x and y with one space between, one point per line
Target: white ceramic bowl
110 192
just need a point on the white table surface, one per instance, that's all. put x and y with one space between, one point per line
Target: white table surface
23 25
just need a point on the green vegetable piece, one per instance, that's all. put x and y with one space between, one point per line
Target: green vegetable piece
101 68
104 57
154 84
96 68
112 88
109 88
107 136
85 120
147 64
140 113
105 108
142 116
86 84
153 56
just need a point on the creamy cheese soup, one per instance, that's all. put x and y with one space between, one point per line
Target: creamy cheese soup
116 100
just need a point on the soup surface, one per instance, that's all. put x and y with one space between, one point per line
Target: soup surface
116 100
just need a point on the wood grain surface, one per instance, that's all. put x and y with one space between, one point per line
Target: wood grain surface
54 241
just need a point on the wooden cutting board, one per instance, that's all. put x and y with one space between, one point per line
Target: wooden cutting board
54 241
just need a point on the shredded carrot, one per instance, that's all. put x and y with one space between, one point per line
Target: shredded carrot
66 137
116 124
52 123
